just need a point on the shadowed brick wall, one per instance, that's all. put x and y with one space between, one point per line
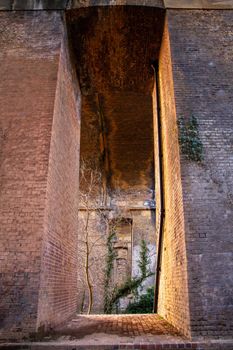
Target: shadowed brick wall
29 54
201 51
58 290
173 290
39 147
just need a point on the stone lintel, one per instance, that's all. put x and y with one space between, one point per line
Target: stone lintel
199 4
6 5
86 3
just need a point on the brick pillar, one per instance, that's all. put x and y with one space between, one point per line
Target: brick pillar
58 289
173 303
196 79
29 116
201 50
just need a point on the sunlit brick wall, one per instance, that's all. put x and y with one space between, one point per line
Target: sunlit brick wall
202 51
173 290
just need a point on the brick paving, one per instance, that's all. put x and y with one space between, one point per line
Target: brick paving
121 325
118 332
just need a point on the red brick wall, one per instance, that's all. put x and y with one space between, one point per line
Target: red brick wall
58 290
38 185
29 49
173 290
202 51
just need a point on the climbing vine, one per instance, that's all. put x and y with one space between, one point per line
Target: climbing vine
189 139
113 294
144 261
143 304
111 255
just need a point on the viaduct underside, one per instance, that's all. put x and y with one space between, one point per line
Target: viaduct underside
147 67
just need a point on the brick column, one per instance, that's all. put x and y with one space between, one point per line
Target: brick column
29 57
197 264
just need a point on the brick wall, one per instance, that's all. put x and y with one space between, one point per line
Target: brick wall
58 290
201 50
29 52
173 290
38 197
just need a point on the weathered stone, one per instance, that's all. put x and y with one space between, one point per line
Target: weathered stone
87 3
39 5
199 4
72 4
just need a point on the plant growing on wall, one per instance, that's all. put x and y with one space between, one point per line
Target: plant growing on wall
91 202
89 240
143 304
144 260
130 286
189 139
90 180
111 255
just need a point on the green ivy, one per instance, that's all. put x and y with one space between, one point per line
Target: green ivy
143 305
131 285
189 139
144 260
127 288
111 255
